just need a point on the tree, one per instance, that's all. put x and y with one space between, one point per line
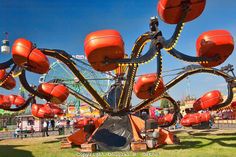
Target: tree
165 103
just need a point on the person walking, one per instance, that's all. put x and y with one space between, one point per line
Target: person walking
32 131
61 128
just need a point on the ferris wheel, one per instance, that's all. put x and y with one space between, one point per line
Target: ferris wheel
59 73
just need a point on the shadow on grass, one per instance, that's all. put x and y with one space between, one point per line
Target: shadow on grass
197 143
210 133
58 139
227 134
221 140
48 142
11 151
185 145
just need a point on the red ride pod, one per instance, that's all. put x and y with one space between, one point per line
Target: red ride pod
9 84
233 104
16 100
42 111
2 73
1 99
4 102
165 119
168 118
144 86
205 117
102 45
170 11
208 100
160 120
57 92
213 43
190 119
195 118
56 109
25 55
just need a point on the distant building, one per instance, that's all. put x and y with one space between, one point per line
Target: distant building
26 121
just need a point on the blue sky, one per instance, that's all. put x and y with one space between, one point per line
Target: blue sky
64 25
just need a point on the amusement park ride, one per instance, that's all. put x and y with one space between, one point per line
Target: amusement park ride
104 50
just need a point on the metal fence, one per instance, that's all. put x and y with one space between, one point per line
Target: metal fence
10 134
225 124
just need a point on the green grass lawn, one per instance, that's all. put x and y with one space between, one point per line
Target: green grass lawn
202 144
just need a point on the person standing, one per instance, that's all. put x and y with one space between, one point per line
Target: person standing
32 131
45 128
53 124
67 123
61 128
17 132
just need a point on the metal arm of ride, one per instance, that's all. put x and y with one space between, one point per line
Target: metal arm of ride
136 51
85 99
179 55
190 71
8 74
6 64
228 99
127 91
159 72
150 54
157 38
228 68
